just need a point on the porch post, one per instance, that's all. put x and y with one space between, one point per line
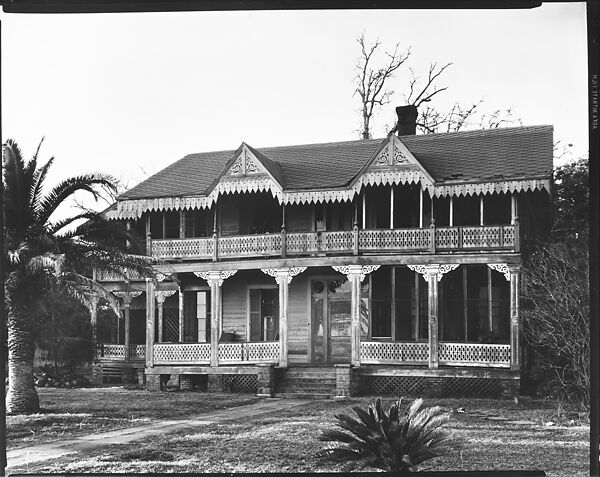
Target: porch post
215 280
451 218
148 236
515 272
93 307
354 273
392 206
215 316
126 313
149 323
283 278
432 272
160 299
180 291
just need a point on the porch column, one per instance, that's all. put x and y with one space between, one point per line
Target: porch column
180 291
283 277
126 314
392 206
160 299
215 317
355 274
431 274
93 307
515 275
150 303
215 280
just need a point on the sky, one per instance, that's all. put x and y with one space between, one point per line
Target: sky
128 94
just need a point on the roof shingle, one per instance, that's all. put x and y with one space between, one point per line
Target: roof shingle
469 156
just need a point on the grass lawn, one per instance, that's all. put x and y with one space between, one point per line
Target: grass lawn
67 413
286 441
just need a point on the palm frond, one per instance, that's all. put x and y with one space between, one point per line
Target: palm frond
91 183
37 183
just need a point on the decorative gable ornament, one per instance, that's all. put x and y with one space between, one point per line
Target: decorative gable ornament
246 174
394 164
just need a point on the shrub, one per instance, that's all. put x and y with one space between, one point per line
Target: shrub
388 440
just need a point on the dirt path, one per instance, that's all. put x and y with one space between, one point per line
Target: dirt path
20 458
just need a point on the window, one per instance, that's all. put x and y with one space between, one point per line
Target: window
264 314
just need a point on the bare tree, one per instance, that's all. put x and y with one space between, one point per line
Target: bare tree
371 80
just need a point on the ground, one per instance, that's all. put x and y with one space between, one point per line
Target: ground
496 434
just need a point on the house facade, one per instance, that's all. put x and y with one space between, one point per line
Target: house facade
372 266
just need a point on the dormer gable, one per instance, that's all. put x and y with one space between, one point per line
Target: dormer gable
248 171
393 163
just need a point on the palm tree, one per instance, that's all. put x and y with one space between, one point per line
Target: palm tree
44 255
388 440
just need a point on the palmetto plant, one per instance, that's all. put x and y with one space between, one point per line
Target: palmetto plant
44 255
390 441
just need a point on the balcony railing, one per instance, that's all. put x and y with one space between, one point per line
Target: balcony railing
116 352
449 354
462 238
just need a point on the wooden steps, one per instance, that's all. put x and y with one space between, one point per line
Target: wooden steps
307 382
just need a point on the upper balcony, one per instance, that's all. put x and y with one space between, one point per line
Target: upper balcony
352 242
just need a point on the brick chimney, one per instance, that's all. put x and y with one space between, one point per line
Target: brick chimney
407 120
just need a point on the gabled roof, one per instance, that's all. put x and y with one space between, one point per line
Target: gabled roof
471 157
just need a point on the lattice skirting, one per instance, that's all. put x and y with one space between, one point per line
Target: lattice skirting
397 386
240 383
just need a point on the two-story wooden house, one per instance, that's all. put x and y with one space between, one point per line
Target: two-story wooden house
371 266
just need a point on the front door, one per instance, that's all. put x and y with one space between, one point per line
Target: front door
330 324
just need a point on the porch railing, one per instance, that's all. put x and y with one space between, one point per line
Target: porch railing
450 354
474 354
379 352
181 353
249 352
462 238
117 352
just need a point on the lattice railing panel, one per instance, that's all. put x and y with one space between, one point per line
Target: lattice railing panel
171 325
112 351
508 236
301 243
394 239
389 352
183 248
395 386
171 353
231 352
253 352
337 241
471 387
474 354
480 237
240 383
447 237
245 245
137 352
260 352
